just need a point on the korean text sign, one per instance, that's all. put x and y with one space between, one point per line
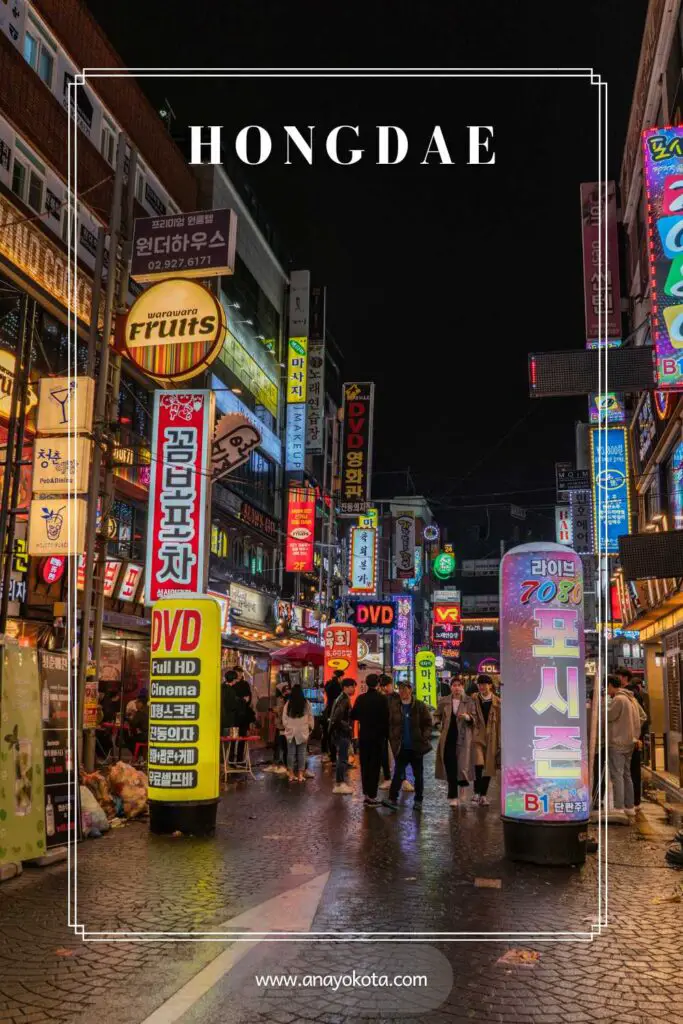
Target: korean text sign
356 466
609 479
402 635
184 711
362 561
179 493
200 244
341 650
300 530
544 742
602 297
663 162
425 677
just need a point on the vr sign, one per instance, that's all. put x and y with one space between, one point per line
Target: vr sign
379 614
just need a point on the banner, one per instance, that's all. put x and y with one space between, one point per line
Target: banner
609 479
356 465
544 742
404 545
597 204
362 561
300 530
22 797
60 814
663 162
341 650
425 677
185 701
315 387
179 493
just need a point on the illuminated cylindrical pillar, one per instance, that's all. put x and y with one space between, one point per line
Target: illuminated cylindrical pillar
545 791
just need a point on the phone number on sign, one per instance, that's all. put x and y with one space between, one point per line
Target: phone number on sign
566 591
181 263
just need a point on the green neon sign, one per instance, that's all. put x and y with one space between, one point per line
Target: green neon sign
444 565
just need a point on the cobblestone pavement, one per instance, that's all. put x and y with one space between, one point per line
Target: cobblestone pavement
388 873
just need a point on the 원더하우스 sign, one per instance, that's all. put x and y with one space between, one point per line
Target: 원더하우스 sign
178 493
200 244
356 469
663 162
609 478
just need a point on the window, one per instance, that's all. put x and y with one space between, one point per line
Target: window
108 143
38 55
28 185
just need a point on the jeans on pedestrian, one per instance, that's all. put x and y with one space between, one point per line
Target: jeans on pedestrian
404 758
296 756
620 774
370 764
343 743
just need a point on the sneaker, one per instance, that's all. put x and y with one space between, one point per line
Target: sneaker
371 801
309 774
417 805
454 802
407 787
630 812
390 804
475 798
342 787
281 770
484 801
386 784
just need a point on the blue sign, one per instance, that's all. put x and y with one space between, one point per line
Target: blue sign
295 445
609 479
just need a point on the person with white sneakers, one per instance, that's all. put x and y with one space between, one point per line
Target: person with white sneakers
341 731
454 750
623 732
485 738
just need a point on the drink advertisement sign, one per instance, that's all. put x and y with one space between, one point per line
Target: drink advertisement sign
663 162
425 676
544 742
300 530
179 493
341 650
184 710
609 479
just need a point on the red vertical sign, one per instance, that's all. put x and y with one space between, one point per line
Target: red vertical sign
594 209
179 493
300 530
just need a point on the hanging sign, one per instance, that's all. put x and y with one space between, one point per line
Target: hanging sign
544 742
297 368
607 408
404 545
184 710
369 520
430 533
376 614
402 635
61 465
130 581
56 526
174 330
425 676
609 478
356 464
563 524
362 561
51 570
341 650
179 493
602 297
234 440
65 404
444 565
8 362
299 547
200 244
315 390
582 522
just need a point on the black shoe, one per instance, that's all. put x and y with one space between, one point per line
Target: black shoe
674 854
417 805
371 801
391 804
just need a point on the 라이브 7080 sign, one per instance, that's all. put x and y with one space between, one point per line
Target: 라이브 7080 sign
178 493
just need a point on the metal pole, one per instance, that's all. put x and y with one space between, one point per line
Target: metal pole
332 516
99 416
22 375
322 549
95 305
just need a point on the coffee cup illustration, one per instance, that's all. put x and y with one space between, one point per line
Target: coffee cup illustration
54 520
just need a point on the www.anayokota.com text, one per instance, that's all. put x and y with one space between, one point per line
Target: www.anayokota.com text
336 981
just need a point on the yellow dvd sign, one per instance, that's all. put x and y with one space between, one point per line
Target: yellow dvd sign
184 706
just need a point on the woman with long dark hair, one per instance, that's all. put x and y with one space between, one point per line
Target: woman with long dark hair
298 721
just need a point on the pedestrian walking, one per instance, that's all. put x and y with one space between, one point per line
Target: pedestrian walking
341 731
332 690
371 711
485 739
410 735
631 687
279 765
244 714
623 732
386 686
298 722
454 750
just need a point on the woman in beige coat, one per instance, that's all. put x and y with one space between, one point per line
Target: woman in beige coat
486 739
454 750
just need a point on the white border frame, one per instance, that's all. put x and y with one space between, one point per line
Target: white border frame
80 79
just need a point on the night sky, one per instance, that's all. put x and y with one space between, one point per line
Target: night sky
440 278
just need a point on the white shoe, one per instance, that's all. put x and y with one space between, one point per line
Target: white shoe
484 801
407 787
454 802
281 770
475 798
386 784
630 812
342 787
309 775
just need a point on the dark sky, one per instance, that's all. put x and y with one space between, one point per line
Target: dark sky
440 279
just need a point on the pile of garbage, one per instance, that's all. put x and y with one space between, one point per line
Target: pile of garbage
106 800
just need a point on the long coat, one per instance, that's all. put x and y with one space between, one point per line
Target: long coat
464 744
486 735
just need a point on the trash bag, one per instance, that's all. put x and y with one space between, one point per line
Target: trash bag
99 787
674 854
93 818
130 785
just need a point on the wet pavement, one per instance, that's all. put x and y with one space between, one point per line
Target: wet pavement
295 858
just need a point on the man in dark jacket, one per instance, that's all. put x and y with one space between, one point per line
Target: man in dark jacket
341 731
332 691
371 711
410 736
